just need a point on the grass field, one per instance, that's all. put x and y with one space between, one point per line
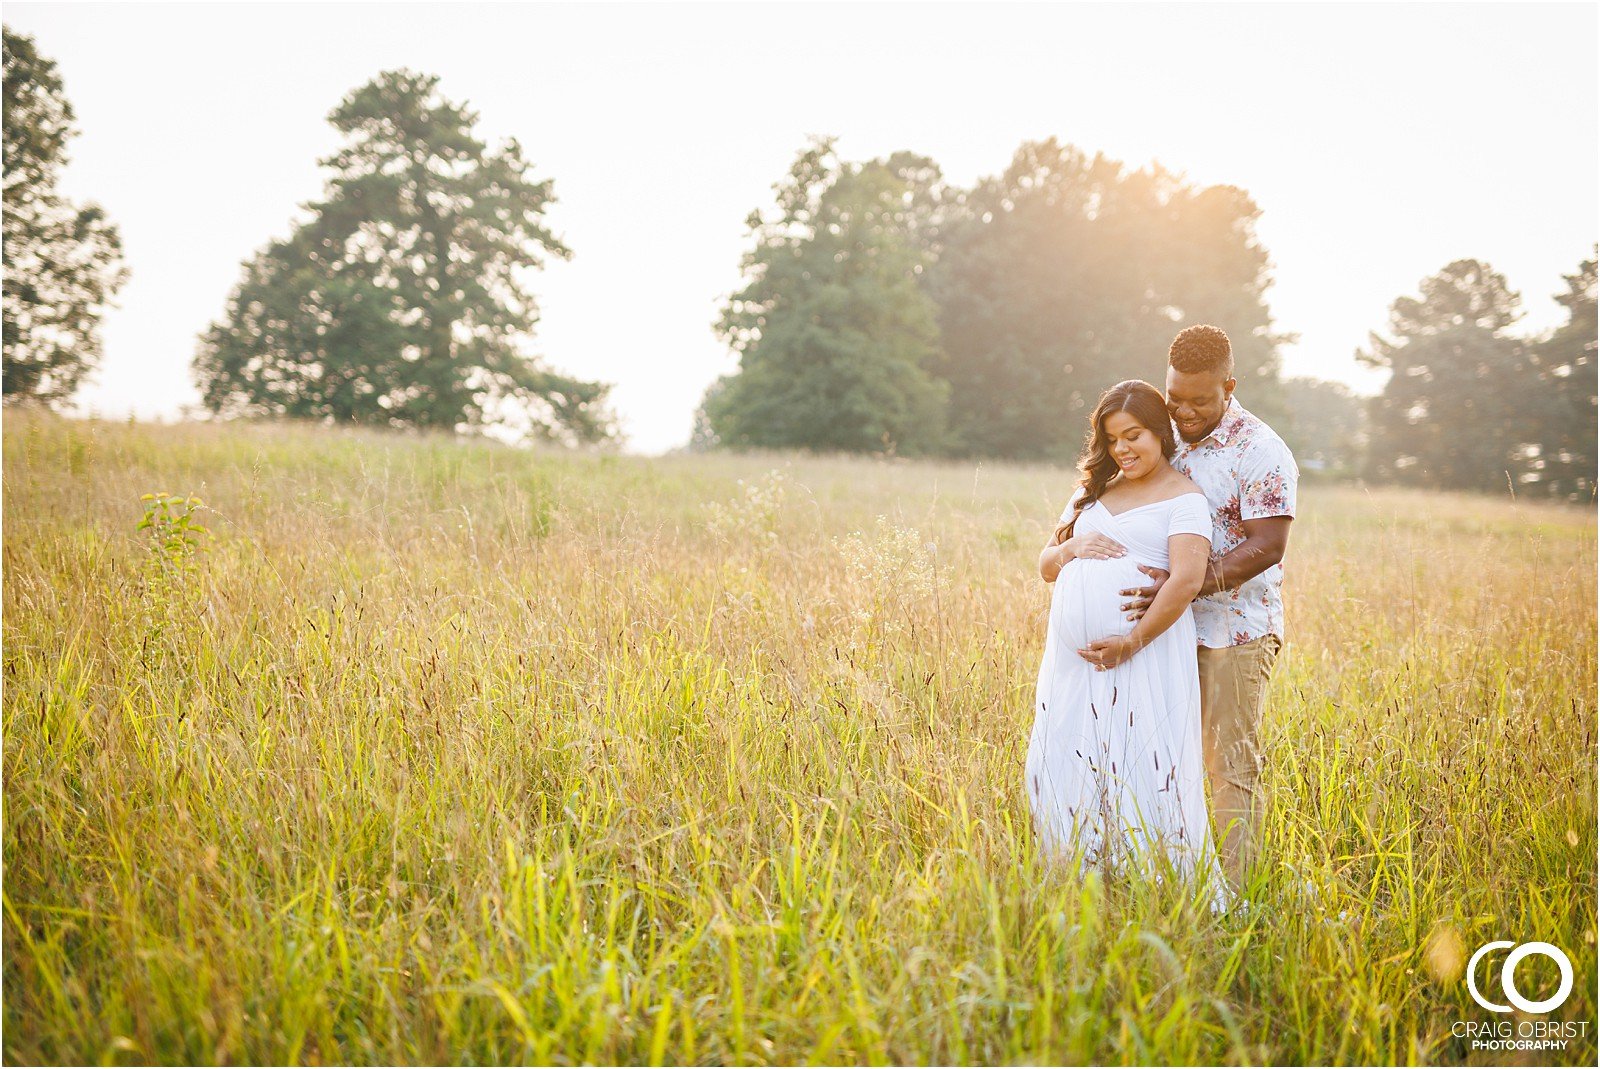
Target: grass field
432 752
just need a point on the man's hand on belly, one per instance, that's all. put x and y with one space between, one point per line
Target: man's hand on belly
1140 597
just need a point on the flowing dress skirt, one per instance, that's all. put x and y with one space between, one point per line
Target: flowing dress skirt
1115 766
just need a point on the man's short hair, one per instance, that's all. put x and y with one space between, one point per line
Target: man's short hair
1202 349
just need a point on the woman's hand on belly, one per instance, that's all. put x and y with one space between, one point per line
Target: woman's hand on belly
1092 545
1107 653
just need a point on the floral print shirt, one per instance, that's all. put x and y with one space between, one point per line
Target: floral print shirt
1247 473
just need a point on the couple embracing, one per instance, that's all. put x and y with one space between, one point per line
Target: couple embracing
1165 622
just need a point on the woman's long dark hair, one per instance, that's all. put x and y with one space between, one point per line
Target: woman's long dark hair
1145 404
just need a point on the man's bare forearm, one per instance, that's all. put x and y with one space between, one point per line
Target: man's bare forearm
1170 602
1247 560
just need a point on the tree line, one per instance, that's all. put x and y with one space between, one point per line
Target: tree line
1472 405
881 308
885 310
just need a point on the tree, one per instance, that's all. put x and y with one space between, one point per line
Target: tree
833 330
1565 413
1066 274
1325 426
1454 411
63 263
400 301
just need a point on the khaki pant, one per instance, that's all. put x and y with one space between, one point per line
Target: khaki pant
1233 687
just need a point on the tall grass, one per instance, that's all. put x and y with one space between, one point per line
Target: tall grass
437 752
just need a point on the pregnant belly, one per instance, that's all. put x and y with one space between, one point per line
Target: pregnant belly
1087 603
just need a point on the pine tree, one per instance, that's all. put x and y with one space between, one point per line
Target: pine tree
400 301
1454 411
63 262
1565 411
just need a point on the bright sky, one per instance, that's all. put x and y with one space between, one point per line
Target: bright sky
1381 141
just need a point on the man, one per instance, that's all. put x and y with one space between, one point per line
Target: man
1249 478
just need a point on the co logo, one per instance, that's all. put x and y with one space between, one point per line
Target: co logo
1508 977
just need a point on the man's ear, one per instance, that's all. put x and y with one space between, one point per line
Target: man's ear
1227 387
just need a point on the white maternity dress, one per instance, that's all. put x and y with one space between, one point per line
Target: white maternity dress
1115 767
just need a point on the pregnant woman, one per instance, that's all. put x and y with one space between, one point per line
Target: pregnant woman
1115 767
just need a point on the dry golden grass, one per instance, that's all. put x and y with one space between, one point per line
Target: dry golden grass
436 752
